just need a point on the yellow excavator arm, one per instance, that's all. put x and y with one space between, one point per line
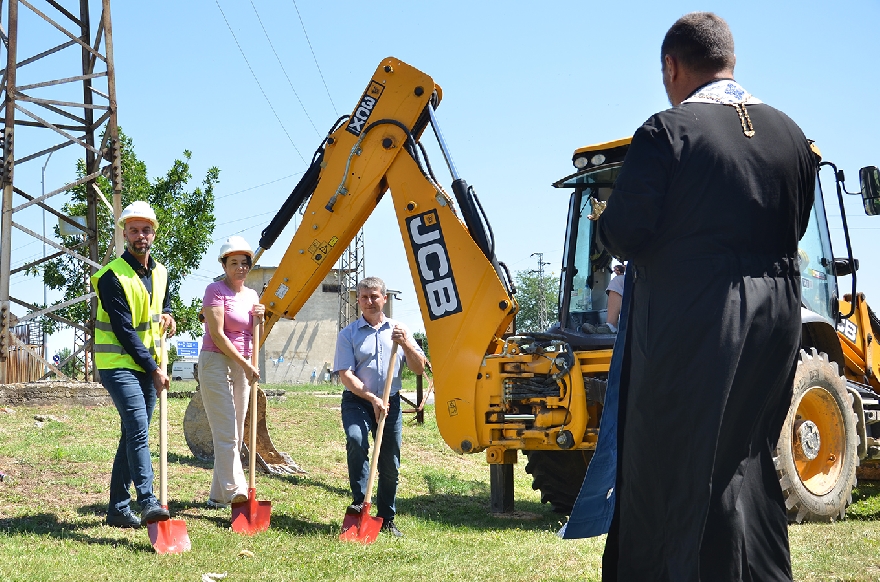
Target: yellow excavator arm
465 305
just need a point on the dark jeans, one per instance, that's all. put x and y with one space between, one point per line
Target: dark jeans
359 421
135 398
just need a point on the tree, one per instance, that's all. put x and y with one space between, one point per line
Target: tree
529 287
172 357
422 340
186 223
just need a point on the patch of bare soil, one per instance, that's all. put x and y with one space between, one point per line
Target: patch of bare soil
868 472
525 515
30 488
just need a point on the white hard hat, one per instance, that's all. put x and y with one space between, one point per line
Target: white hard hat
235 244
138 209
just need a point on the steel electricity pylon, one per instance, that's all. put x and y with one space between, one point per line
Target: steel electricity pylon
61 94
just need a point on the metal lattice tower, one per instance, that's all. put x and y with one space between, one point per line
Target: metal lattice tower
62 93
542 299
351 270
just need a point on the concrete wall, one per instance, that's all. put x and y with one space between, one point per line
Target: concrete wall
296 348
53 393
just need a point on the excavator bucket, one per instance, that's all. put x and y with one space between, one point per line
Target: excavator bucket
197 432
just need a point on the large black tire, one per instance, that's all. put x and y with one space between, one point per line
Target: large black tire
558 475
816 457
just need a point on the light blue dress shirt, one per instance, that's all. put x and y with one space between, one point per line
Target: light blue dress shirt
366 351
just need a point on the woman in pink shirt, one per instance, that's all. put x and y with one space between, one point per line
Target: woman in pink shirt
225 369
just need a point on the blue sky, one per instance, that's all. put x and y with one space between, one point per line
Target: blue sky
524 84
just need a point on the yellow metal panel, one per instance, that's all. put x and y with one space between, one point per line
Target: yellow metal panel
605 145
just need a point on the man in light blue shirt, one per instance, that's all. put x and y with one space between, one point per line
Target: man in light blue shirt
363 350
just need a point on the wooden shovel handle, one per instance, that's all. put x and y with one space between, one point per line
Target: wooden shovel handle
163 426
380 430
252 445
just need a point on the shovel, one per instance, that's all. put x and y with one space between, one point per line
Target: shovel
360 526
169 536
252 516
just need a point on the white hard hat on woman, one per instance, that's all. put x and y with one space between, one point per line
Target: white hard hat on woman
233 245
138 209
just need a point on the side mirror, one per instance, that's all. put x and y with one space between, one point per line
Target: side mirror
869 177
843 267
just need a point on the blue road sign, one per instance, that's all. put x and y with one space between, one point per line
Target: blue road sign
56 359
188 349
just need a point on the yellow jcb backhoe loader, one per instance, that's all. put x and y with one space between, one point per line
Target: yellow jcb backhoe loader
832 425
542 393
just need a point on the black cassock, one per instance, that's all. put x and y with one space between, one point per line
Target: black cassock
709 221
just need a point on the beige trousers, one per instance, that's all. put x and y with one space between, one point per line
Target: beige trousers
225 393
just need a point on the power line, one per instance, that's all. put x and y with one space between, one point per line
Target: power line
244 218
260 20
199 275
314 57
258 81
258 186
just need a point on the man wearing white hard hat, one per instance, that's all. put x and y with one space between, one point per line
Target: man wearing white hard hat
134 308
225 369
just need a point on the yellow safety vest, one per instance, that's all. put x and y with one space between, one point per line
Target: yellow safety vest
109 353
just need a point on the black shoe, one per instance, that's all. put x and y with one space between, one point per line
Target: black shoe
125 519
154 512
389 527
354 509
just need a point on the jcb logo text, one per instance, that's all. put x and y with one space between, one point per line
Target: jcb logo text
435 272
365 108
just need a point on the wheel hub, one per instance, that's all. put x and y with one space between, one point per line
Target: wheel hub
807 439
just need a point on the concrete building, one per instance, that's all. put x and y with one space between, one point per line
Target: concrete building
297 348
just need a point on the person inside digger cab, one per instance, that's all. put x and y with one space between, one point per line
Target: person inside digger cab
614 291
134 309
362 357
708 208
225 367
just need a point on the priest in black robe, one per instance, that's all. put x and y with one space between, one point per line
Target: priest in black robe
708 209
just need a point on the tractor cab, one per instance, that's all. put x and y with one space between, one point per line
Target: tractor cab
586 264
818 281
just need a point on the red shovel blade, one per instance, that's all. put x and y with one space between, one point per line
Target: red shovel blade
169 536
361 527
252 516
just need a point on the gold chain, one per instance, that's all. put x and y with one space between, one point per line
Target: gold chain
740 108
744 119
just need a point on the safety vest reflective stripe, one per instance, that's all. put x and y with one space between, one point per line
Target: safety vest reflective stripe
105 326
145 312
113 349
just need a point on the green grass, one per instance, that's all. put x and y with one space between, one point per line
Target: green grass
53 504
